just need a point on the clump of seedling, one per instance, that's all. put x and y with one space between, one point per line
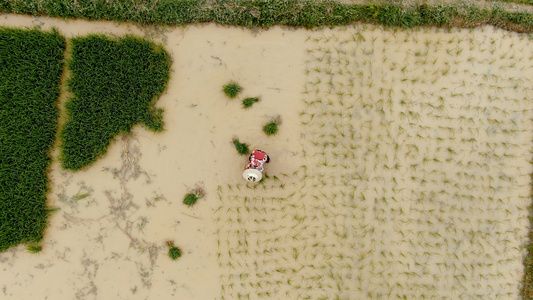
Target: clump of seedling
191 198
242 148
34 248
232 89
248 102
173 251
271 128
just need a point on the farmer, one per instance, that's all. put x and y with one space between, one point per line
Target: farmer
253 171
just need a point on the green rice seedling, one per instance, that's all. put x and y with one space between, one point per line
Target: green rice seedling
242 148
191 198
34 248
231 89
271 128
173 251
30 74
248 102
114 83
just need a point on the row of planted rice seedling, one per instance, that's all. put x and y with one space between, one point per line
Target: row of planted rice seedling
114 83
432 191
31 69
259 239
416 183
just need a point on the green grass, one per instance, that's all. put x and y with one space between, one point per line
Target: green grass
231 89
248 102
268 13
30 73
242 148
115 83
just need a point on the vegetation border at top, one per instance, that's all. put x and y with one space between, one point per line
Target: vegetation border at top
267 13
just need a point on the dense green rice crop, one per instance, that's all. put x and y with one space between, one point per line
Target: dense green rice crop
30 73
115 83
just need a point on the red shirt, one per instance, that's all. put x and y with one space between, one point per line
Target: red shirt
257 159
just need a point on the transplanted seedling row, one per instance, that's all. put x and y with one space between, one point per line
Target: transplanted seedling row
410 164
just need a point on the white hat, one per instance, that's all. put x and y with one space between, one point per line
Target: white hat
252 175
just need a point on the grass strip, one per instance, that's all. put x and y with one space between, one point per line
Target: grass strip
267 13
526 2
30 75
115 83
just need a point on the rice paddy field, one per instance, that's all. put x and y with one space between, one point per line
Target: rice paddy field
400 169
29 88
